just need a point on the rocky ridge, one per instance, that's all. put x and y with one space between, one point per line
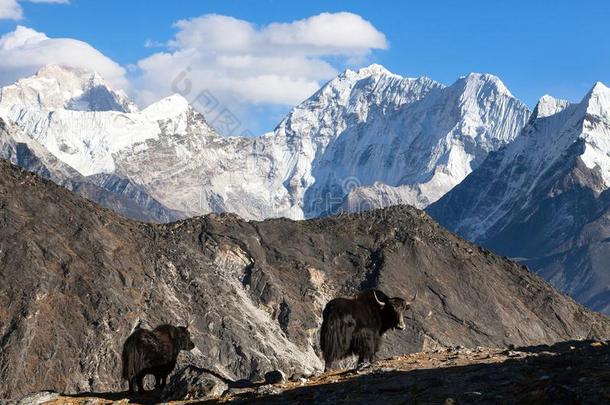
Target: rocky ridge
77 278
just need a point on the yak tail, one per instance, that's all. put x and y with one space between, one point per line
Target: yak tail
336 336
133 359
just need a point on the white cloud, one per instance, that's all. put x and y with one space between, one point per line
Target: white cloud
11 10
340 33
240 62
24 51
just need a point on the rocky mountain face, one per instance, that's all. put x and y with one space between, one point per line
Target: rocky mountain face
363 131
110 191
544 198
77 278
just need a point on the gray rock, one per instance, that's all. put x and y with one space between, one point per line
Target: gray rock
268 389
193 383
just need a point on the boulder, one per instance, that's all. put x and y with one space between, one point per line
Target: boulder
192 382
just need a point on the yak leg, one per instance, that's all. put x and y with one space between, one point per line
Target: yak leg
160 380
132 382
140 380
365 345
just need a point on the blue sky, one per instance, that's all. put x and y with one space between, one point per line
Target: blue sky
561 48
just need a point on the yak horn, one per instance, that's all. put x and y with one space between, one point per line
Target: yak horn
190 322
412 299
381 304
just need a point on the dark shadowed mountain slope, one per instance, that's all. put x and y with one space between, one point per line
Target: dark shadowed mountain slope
544 198
75 279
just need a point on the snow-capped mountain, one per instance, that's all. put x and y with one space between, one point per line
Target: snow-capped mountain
412 137
415 153
544 198
56 87
85 140
112 192
21 150
337 113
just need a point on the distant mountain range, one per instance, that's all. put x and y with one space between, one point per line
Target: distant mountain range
412 138
532 186
545 198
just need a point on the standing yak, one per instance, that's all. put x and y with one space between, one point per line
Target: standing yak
355 326
153 352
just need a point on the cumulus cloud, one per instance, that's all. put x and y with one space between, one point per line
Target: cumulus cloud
274 64
11 10
24 51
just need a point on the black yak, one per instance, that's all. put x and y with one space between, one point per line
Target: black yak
153 352
355 326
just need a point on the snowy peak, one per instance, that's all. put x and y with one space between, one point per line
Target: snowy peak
371 70
484 110
358 91
167 108
543 198
83 122
481 84
557 139
379 82
59 87
350 98
415 138
549 105
598 101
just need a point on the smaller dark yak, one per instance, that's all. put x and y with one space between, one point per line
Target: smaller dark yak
153 352
355 326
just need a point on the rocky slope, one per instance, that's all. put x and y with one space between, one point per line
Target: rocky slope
535 374
363 127
76 278
483 376
544 198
